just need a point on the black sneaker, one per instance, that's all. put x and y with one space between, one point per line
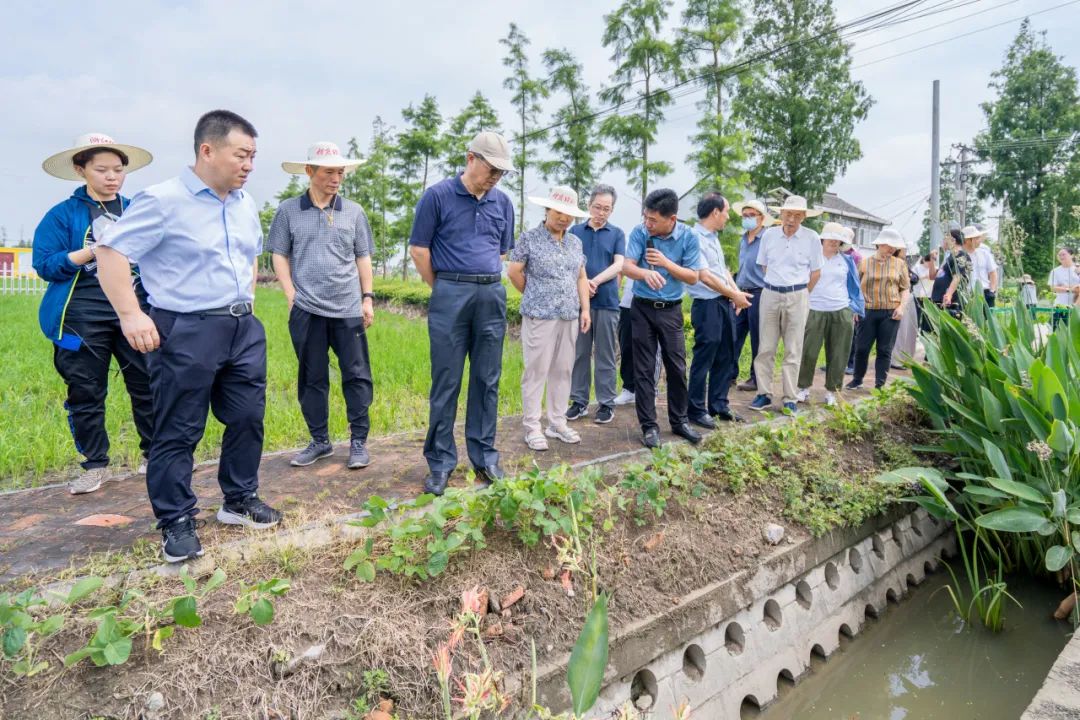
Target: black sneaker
358 455
576 411
251 512
853 385
315 450
604 414
179 541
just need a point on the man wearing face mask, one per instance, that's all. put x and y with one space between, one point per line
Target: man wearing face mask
751 280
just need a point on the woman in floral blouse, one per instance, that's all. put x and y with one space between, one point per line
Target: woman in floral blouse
547 266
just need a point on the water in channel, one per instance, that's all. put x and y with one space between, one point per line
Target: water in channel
918 662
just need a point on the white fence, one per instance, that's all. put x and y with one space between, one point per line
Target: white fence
12 283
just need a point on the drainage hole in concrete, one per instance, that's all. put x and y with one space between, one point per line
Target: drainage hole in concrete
817 657
912 581
843 637
693 663
948 553
772 617
897 536
879 546
855 560
750 708
734 638
929 567
916 526
832 576
803 595
892 596
643 690
871 612
785 681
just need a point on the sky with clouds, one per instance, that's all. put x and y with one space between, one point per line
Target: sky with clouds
144 70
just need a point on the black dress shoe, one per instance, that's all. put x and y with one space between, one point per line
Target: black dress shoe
728 416
651 438
487 475
435 482
704 421
687 433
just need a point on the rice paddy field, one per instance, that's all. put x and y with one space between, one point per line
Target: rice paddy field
36 445
35 442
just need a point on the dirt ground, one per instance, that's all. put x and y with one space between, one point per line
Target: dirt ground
230 668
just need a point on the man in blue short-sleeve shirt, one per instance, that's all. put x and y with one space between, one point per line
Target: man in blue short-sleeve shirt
462 228
605 246
196 239
662 256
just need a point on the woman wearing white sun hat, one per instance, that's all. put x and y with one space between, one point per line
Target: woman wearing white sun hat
886 287
547 266
834 302
75 314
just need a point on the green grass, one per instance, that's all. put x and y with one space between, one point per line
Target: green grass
34 436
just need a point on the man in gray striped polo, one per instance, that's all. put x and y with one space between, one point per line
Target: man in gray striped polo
322 256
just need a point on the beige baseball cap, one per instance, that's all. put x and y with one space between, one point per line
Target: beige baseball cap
493 147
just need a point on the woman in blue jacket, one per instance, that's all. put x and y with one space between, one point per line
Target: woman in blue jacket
834 303
74 313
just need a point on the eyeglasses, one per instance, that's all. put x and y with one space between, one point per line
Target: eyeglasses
602 209
492 170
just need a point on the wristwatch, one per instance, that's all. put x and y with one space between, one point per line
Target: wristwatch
368 295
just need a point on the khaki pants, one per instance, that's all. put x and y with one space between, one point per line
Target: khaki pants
783 316
548 348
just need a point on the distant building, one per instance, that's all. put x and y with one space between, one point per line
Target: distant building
17 262
866 225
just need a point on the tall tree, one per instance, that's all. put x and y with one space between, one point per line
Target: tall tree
644 63
422 136
1033 142
527 91
370 185
707 39
801 110
573 142
418 144
477 116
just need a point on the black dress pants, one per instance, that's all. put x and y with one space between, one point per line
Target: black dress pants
661 326
205 362
878 327
313 336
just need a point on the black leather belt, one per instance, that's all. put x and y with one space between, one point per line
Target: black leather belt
750 290
785 288
238 309
658 304
478 279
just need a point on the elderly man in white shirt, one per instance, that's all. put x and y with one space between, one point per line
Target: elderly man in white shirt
791 256
984 269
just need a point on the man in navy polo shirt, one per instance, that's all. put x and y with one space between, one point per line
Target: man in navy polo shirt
662 255
605 246
463 227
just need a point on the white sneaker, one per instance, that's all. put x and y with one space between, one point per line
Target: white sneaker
830 399
567 434
803 395
624 398
536 441
88 481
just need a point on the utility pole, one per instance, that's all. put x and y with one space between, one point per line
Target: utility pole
962 184
935 171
